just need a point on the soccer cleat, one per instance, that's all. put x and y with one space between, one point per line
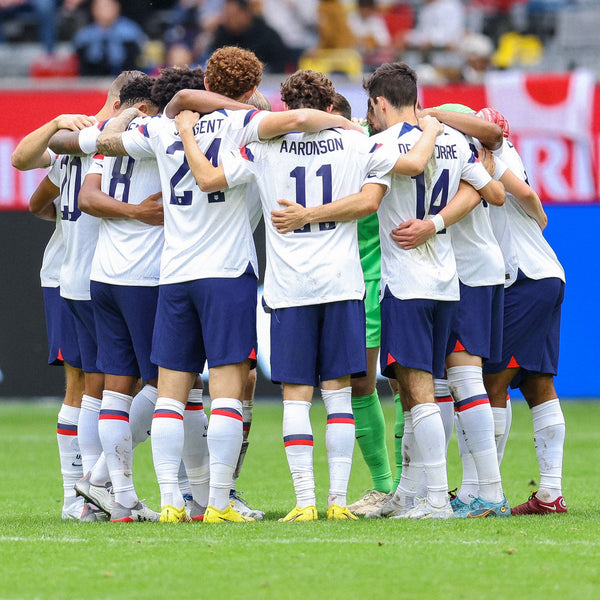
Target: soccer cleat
195 510
461 509
424 510
92 513
100 495
229 515
483 508
390 510
140 512
340 513
535 506
371 501
74 510
240 505
308 513
170 514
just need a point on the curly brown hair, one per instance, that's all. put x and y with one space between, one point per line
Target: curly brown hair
233 71
307 89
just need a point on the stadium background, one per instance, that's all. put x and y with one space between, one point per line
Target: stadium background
555 124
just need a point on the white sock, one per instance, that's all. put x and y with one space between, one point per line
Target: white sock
469 487
87 432
141 413
446 403
429 436
68 450
115 435
502 423
549 437
298 442
339 440
412 466
225 434
167 448
477 423
195 447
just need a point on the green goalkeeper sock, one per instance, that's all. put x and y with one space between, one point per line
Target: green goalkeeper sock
370 435
398 434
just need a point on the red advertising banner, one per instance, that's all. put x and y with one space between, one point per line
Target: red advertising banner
554 120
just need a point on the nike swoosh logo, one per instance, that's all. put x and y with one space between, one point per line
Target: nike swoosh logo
76 464
398 437
361 436
550 507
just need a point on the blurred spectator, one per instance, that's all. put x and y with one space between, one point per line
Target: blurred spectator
110 44
500 16
240 26
334 31
477 50
296 23
45 16
371 34
440 25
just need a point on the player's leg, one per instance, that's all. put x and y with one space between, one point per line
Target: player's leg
368 415
68 444
235 496
549 438
195 464
398 431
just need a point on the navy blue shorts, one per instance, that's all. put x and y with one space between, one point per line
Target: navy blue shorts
210 320
319 342
124 325
85 338
477 326
531 339
414 334
60 325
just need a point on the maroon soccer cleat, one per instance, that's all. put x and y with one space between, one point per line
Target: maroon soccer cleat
534 506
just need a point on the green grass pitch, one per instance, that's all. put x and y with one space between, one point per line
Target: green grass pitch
539 557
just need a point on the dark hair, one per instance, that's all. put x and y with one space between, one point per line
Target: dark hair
307 89
396 82
173 79
137 90
342 106
233 71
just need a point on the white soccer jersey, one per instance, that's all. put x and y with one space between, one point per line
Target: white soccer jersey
80 230
534 255
428 271
319 263
206 235
128 251
478 256
55 248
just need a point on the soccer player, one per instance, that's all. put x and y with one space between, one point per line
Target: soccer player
31 153
81 231
533 298
476 336
305 320
124 289
207 296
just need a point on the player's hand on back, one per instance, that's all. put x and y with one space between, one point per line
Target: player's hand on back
186 119
428 121
292 217
74 122
412 233
150 211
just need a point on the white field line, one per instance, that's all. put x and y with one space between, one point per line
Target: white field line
359 540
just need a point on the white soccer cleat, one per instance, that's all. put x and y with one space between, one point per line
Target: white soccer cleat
390 510
424 510
139 513
239 504
370 502
100 495
74 510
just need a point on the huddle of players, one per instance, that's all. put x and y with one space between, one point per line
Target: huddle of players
314 286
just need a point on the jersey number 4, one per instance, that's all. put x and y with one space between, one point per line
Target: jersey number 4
299 174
